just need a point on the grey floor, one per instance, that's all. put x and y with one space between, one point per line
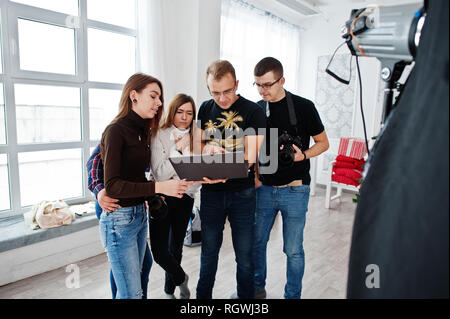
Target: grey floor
326 243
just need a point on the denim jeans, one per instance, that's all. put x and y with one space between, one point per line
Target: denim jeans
124 236
240 209
145 272
292 201
146 266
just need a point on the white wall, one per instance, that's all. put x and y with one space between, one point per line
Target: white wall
319 37
34 259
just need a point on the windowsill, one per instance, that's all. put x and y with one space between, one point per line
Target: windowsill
15 233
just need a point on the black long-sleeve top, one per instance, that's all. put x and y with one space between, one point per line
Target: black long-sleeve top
125 152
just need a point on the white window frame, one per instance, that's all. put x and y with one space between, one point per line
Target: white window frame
12 74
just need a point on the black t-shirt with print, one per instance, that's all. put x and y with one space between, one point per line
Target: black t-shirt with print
308 124
227 128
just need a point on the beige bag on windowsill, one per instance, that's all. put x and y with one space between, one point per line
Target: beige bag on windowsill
48 214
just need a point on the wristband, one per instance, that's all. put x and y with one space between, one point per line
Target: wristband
304 154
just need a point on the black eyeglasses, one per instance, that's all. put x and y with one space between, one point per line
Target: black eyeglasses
266 86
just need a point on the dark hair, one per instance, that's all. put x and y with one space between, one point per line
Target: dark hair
269 64
219 69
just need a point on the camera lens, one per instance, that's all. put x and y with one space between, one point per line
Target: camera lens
157 207
286 156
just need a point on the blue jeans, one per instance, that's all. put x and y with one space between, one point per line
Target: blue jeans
292 201
147 265
240 209
124 236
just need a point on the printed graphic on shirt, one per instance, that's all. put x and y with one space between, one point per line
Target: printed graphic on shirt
225 132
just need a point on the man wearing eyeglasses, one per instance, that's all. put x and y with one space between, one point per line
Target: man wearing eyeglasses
286 190
226 121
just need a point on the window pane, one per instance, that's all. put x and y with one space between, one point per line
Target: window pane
118 12
50 175
1 41
111 56
2 116
46 48
4 183
103 107
64 6
47 114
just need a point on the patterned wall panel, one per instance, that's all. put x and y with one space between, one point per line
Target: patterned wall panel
334 100
335 103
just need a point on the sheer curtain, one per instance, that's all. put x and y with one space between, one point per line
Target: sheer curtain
249 34
152 43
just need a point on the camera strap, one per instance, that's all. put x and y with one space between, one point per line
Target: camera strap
291 111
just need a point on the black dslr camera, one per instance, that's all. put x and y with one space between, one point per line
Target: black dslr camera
287 154
157 207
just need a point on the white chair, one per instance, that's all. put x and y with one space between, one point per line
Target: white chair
339 187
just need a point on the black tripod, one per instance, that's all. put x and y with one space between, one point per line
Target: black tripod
391 72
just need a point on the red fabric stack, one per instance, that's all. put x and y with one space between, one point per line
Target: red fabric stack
347 170
349 163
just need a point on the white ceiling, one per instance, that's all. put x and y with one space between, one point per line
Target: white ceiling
328 6
324 8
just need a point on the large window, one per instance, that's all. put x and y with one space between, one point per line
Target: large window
2 117
103 106
105 50
4 181
47 114
46 48
63 65
64 6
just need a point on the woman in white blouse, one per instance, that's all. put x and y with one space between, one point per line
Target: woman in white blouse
175 138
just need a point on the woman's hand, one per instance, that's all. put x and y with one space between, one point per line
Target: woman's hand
172 187
206 180
182 142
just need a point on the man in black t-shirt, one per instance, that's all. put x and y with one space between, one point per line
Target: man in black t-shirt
287 189
230 122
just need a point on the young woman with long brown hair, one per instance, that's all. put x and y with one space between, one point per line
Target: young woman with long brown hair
125 152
